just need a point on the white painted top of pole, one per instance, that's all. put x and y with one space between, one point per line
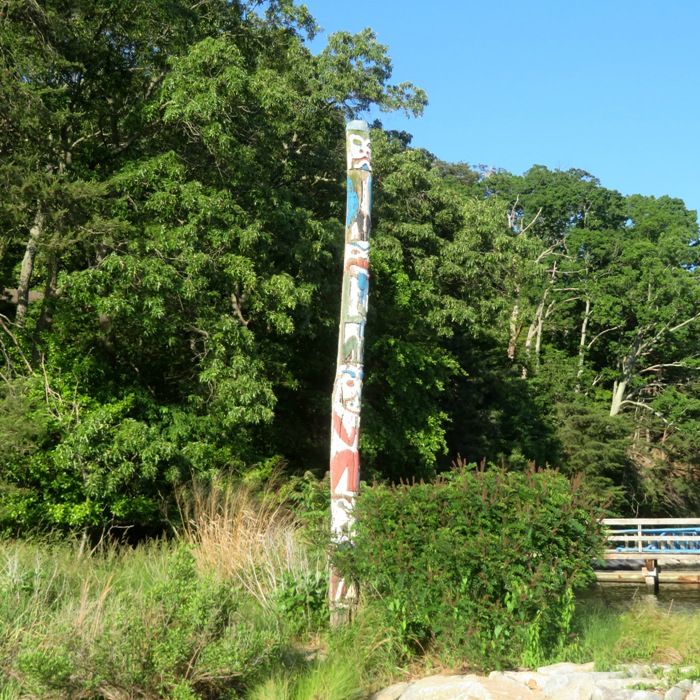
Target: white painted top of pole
357 125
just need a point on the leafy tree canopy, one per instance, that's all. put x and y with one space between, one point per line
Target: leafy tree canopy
171 218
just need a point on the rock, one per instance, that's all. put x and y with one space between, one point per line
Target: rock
625 694
508 689
612 694
468 687
641 670
563 681
393 692
569 686
558 669
530 679
446 688
607 675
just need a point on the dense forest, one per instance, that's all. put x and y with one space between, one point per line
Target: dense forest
171 230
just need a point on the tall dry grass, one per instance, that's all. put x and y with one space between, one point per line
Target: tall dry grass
249 538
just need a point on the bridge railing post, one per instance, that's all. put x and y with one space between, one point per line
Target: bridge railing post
639 533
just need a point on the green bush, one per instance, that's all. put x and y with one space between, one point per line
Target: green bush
184 636
480 562
302 599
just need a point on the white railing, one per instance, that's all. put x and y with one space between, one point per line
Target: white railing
653 536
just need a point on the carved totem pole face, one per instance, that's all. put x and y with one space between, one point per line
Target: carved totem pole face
360 156
351 390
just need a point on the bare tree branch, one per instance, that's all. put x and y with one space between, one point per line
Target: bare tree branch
607 330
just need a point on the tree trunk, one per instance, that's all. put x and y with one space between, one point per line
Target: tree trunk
535 330
515 328
537 325
582 345
47 303
618 397
25 275
628 367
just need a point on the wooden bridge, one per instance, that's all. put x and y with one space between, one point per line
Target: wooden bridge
653 540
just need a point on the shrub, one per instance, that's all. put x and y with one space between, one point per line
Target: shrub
482 561
181 635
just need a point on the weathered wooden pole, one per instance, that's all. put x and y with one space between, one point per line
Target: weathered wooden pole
347 389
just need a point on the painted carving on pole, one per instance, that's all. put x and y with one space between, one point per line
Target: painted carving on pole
359 151
345 456
342 591
355 301
357 222
347 388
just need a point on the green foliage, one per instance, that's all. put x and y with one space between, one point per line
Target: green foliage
174 190
336 678
639 634
595 445
605 321
171 204
23 422
303 601
355 660
439 288
101 466
149 621
175 634
309 498
480 562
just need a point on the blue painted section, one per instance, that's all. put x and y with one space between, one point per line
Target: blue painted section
660 531
363 282
661 549
354 373
667 546
353 203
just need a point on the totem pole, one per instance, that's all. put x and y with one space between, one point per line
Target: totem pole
347 389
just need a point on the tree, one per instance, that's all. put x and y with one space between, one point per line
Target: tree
171 199
445 266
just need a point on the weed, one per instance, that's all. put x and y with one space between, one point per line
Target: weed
642 634
178 634
302 599
249 539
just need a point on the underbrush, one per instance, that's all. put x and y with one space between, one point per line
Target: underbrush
234 607
94 627
257 543
454 578
643 634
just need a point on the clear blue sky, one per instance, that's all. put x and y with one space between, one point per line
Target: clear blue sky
608 86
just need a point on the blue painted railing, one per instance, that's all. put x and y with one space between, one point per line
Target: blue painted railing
660 536
678 541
